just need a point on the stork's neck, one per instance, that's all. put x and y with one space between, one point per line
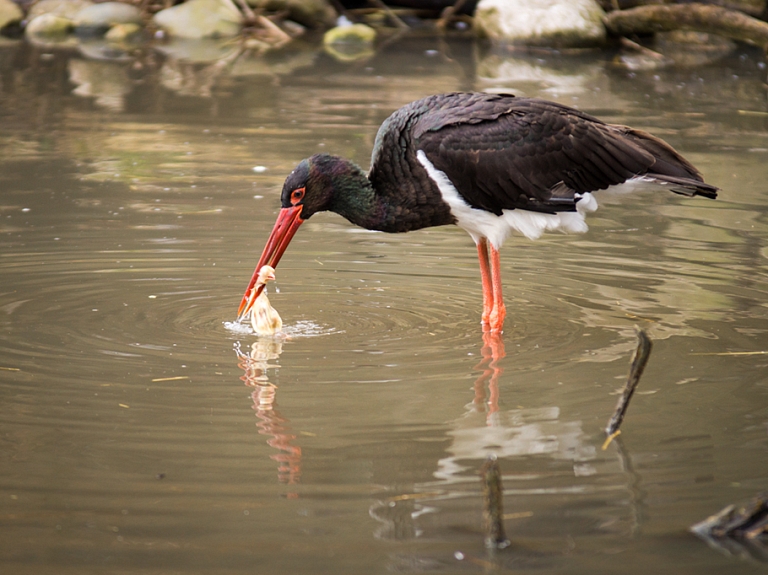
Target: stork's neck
353 196
388 204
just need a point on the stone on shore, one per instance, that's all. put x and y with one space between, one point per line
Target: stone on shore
349 43
123 32
49 26
556 23
106 15
201 19
354 34
63 8
9 13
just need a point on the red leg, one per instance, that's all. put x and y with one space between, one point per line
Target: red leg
499 312
485 275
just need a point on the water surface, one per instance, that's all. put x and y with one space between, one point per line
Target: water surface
142 433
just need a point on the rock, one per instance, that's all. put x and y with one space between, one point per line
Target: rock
9 13
107 14
122 32
349 43
201 19
63 8
557 23
50 31
48 25
354 34
310 13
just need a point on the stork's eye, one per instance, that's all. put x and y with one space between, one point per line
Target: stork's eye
296 196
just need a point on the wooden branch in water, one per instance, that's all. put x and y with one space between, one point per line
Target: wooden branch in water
493 507
698 17
738 529
642 353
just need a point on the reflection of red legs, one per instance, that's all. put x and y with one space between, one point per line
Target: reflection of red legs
255 366
492 351
494 310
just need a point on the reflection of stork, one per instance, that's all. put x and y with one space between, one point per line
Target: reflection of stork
550 461
255 366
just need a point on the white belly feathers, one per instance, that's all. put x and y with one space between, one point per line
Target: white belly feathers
482 224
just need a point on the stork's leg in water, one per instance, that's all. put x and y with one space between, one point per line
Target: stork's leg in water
485 275
494 310
499 311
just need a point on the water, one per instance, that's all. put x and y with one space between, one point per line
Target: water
142 432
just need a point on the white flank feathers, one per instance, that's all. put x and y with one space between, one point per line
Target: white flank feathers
482 224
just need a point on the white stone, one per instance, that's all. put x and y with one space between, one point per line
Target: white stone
108 14
559 23
48 25
201 19
9 13
63 8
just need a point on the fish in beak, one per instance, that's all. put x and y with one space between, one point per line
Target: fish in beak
288 221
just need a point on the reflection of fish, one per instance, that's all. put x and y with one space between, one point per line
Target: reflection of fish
255 366
264 318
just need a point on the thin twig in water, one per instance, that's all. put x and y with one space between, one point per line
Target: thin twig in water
642 353
247 12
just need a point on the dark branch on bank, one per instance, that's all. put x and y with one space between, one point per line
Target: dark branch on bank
697 17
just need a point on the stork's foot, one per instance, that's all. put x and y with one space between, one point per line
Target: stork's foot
495 322
487 313
493 318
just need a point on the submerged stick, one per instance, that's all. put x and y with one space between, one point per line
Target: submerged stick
493 507
642 353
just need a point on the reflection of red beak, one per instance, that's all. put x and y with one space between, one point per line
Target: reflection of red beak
288 221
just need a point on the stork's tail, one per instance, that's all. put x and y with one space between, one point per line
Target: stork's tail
670 169
685 186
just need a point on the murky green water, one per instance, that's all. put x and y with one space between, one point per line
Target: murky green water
141 434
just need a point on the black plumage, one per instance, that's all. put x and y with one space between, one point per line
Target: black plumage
503 152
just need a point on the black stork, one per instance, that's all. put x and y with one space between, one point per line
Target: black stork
489 163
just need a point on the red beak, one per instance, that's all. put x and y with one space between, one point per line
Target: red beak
288 221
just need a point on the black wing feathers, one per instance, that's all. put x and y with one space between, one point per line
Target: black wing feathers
503 152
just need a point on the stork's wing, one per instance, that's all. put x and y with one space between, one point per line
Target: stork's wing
504 153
